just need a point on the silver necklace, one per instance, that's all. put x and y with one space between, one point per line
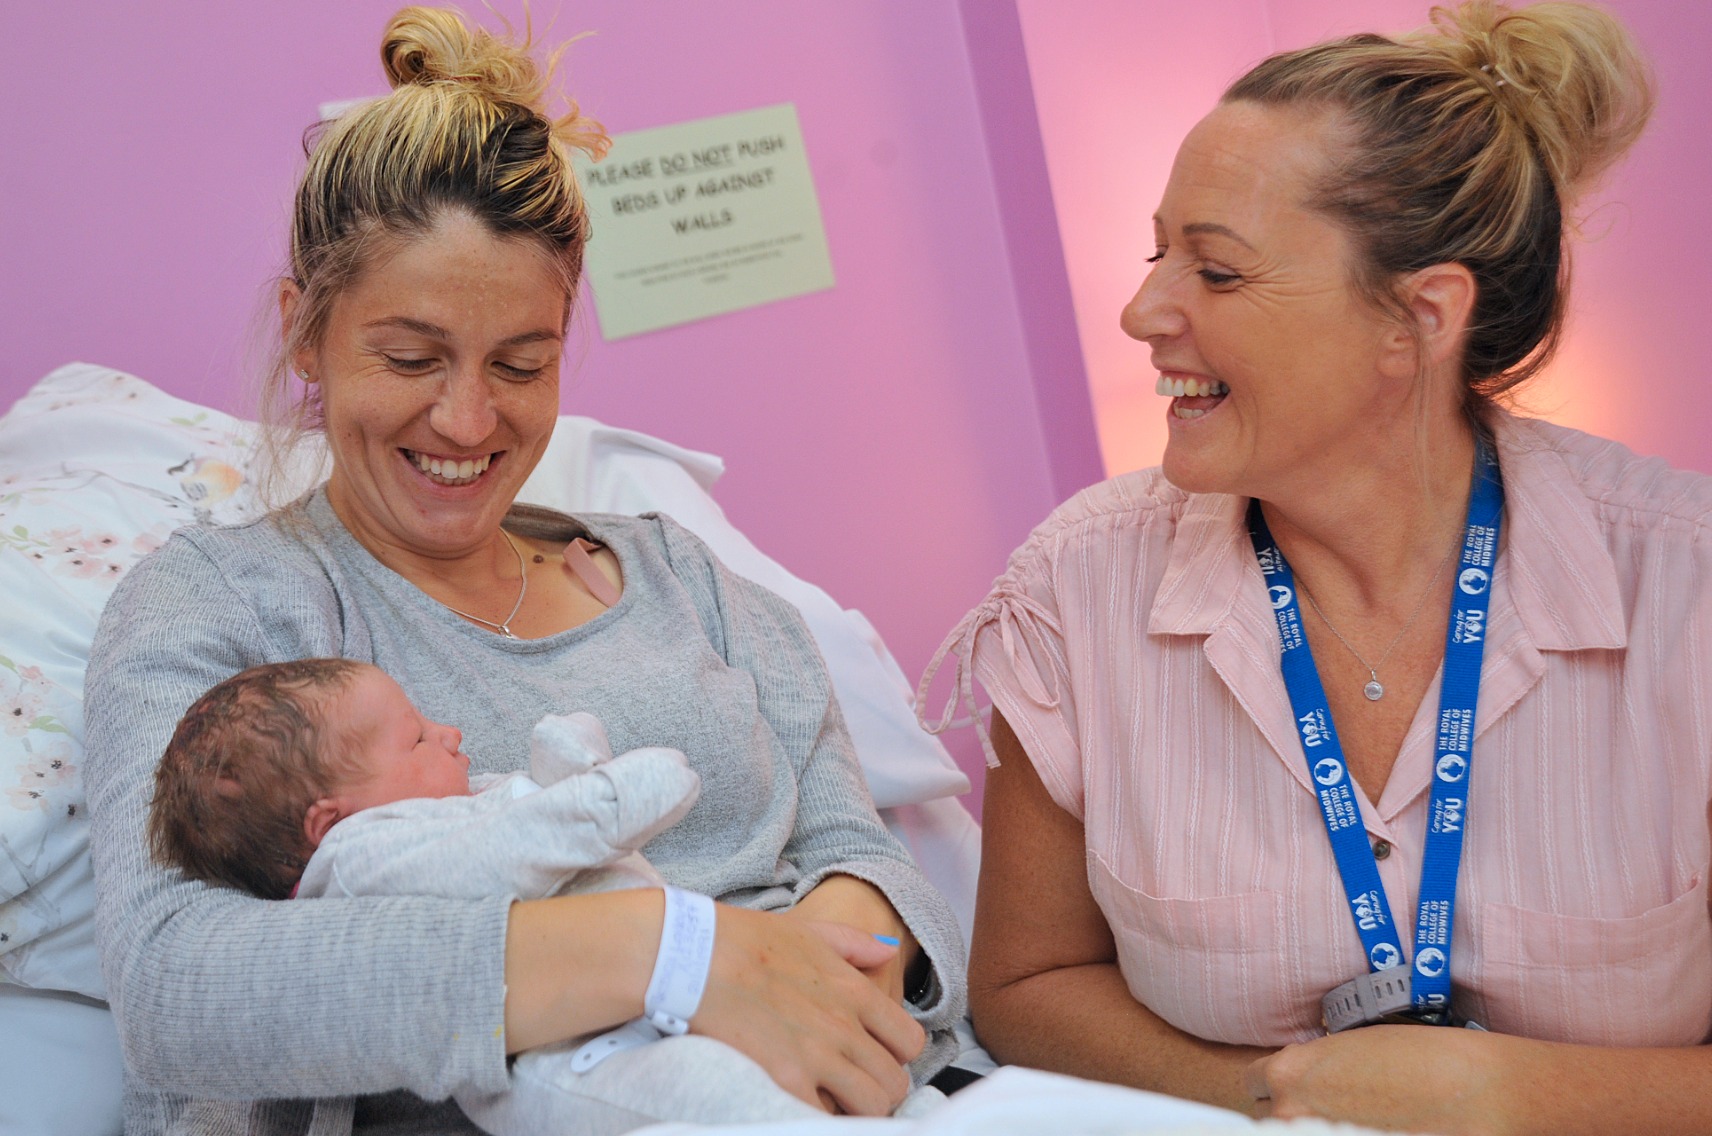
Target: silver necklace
504 626
1375 690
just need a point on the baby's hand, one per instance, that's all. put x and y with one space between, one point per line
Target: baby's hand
564 745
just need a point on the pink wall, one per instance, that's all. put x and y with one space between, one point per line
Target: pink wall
883 438
1119 83
894 438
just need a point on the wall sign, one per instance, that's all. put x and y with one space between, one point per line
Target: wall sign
703 218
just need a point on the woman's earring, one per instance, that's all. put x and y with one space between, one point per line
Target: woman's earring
304 375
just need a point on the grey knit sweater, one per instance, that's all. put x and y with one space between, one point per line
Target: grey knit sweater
220 995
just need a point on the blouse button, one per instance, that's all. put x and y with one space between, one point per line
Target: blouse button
1381 849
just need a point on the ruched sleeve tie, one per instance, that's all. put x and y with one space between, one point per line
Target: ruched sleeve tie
1031 642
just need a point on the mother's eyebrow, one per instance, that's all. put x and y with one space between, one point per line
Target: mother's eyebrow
431 330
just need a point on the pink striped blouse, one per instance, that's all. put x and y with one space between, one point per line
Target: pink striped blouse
1131 646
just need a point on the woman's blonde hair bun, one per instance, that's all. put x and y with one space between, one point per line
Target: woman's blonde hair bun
426 46
1570 71
1468 142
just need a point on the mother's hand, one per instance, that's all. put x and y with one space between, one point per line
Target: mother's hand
791 994
859 904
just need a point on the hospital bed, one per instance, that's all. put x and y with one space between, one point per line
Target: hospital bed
98 467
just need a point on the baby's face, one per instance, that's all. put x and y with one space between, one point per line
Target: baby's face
401 754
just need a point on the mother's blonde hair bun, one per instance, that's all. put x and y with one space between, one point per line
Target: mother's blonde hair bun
423 46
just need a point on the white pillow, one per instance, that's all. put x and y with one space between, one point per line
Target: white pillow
98 467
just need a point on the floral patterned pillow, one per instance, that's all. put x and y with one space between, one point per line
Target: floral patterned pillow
96 470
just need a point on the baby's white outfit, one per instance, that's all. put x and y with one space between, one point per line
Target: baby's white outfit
573 826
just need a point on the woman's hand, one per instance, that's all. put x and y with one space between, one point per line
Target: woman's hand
1416 1078
791 994
859 904
1461 1081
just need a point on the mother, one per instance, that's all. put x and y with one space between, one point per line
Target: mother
437 242
1358 250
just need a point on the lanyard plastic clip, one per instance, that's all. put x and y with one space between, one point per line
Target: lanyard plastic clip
1366 999
1383 996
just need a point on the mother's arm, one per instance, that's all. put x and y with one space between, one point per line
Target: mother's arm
219 994
1044 985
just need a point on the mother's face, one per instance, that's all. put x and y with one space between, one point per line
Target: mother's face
1250 301
439 380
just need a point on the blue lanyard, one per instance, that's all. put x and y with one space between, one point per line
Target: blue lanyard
1465 642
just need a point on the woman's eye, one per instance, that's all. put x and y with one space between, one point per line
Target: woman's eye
519 374
408 366
1156 257
1216 278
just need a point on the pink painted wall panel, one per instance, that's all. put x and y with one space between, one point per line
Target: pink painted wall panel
1118 84
882 438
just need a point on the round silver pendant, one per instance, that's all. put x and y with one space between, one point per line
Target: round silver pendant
1373 691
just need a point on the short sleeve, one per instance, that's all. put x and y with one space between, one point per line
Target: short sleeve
1013 642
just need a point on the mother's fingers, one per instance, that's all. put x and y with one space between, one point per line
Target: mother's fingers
855 946
869 1083
1411 1078
783 992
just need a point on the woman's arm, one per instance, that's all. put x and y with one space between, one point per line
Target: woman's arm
218 994
1044 986
1468 1083
849 867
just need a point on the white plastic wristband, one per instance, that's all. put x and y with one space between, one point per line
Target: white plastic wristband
680 969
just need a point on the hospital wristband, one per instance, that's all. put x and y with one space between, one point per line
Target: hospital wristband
680 968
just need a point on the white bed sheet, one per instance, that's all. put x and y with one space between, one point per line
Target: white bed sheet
1026 1102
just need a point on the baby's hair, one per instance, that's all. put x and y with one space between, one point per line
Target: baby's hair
246 762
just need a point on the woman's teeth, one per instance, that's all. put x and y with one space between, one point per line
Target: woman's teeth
451 472
1190 388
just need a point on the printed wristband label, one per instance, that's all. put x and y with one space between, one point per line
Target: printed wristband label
680 969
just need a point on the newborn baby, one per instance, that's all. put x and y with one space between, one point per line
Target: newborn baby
320 778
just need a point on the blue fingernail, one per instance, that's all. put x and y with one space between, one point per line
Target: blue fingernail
887 939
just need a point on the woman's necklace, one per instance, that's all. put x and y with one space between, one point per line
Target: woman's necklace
504 627
1375 690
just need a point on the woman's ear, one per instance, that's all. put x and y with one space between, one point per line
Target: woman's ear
322 815
1441 299
290 303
